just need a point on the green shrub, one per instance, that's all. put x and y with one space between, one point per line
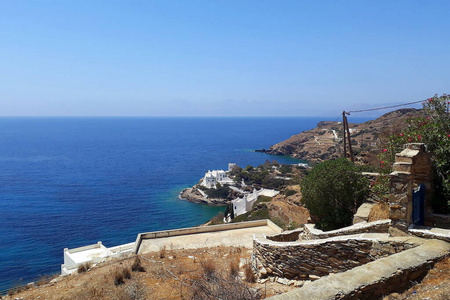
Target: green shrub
221 192
289 192
284 169
332 192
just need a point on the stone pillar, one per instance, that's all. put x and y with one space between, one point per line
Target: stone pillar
412 167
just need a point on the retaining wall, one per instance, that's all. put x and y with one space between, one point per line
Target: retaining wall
381 226
301 260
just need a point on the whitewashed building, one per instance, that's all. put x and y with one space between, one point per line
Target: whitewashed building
211 178
245 204
231 166
93 254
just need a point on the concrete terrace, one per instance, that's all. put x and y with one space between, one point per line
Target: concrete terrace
236 235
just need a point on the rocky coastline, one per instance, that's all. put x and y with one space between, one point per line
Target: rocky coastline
194 195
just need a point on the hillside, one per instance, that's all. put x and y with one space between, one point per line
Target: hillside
324 141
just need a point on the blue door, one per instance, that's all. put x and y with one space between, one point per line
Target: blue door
418 205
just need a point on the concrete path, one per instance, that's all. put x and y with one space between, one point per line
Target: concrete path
235 237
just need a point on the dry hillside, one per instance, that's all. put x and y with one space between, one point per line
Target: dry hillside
323 142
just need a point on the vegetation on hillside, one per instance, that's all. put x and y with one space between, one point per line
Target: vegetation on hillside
434 130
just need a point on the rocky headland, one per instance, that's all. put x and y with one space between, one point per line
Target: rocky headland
324 142
195 195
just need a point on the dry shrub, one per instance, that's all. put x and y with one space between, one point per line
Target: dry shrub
84 267
234 268
16 290
133 291
380 211
120 274
172 252
219 287
162 252
137 265
249 275
209 268
88 293
44 279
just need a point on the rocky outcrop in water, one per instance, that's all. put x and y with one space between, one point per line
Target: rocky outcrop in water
196 196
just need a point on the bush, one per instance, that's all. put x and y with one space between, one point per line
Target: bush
137 265
284 169
120 275
289 192
332 192
221 192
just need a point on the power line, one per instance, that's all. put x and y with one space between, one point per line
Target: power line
384 107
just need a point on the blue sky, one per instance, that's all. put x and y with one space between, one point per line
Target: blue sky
219 58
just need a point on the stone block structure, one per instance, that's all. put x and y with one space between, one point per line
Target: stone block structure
309 253
412 167
316 258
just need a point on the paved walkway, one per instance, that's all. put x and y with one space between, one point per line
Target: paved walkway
235 237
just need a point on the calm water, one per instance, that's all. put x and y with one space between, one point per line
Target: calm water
70 182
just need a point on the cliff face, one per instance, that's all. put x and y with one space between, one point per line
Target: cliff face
324 141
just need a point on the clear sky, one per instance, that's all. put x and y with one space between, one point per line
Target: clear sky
219 58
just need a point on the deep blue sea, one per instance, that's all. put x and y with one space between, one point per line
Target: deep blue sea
70 182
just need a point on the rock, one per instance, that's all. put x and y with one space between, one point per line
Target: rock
314 277
284 281
299 283
264 280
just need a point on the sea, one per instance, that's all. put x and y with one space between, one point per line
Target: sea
70 182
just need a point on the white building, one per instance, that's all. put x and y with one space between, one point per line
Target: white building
211 178
245 204
92 254
231 166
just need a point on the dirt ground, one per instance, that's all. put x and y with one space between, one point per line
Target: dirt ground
169 274
196 274
289 209
435 285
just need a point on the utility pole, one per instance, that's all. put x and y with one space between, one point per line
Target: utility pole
344 154
346 134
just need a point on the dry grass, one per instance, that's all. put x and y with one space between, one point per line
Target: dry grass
380 211
196 273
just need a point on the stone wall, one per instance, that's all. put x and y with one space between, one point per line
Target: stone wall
287 236
312 259
312 233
